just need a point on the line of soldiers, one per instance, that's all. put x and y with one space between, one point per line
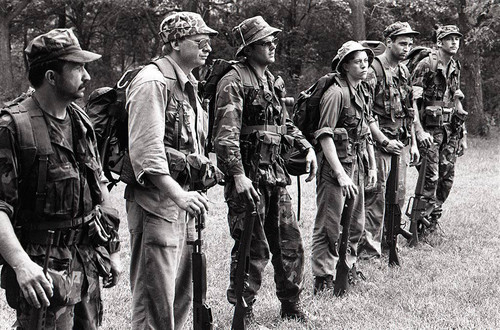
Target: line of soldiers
166 116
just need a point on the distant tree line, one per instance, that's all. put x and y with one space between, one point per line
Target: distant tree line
125 32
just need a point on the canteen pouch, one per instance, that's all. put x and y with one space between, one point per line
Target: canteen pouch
177 164
203 174
433 116
268 147
342 145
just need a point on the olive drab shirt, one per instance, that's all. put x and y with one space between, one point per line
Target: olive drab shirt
164 111
233 113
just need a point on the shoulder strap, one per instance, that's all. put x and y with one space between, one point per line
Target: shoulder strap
346 94
33 138
433 60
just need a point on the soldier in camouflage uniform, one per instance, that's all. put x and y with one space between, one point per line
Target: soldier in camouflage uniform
390 82
250 125
343 131
59 189
437 92
166 123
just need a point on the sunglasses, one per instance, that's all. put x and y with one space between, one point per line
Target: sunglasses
270 43
201 43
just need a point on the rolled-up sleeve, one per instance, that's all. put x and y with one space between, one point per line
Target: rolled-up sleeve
8 167
146 103
418 78
330 106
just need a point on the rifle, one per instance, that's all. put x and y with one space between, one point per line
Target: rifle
342 275
242 269
392 216
202 314
38 315
417 203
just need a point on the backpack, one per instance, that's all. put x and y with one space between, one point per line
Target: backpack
208 88
419 53
106 110
306 111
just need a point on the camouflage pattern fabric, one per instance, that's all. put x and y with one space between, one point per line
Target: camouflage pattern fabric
446 30
278 233
183 24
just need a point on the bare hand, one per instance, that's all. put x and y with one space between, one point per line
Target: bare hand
35 286
371 179
462 146
424 138
192 202
116 270
414 154
395 147
349 189
311 164
245 188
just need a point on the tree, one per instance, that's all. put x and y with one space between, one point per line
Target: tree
8 11
358 19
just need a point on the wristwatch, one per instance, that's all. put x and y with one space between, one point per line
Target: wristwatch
385 143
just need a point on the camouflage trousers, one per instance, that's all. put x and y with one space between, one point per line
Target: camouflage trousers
76 303
371 241
441 158
277 233
330 203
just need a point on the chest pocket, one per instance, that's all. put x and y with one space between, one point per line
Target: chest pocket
62 189
351 117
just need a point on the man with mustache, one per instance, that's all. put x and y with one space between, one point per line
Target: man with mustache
51 182
392 95
436 88
250 125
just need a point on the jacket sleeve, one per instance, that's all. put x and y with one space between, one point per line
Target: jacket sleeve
330 107
227 125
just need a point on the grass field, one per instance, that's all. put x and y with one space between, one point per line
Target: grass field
451 283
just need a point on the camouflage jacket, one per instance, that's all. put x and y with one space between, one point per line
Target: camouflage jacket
436 86
392 95
233 114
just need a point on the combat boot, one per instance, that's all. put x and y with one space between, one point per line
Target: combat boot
322 283
292 310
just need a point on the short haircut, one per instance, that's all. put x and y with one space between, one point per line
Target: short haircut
36 74
349 57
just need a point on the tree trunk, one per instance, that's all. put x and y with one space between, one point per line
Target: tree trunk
358 19
6 77
471 78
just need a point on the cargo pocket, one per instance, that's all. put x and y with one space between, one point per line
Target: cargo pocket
61 188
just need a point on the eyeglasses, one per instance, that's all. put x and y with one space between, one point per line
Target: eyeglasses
201 43
269 43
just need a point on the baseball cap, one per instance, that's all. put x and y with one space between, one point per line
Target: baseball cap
57 44
182 24
398 29
446 30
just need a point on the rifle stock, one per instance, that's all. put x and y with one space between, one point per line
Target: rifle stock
202 314
418 204
242 269
38 315
342 274
393 213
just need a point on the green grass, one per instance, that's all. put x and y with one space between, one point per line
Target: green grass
453 283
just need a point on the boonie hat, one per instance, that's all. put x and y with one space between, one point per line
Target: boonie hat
347 48
251 30
399 29
183 24
446 30
57 44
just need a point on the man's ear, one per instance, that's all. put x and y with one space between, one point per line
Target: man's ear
439 43
50 77
175 44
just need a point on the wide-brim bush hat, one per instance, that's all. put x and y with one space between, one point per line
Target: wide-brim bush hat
348 48
251 30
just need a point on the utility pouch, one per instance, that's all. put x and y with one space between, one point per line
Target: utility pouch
203 174
433 116
457 122
295 159
447 114
342 145
103 228
268 147
177 164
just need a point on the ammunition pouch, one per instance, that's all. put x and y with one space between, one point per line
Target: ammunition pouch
268 147
437 114
177 165
295 159
457 124
342 144
203 173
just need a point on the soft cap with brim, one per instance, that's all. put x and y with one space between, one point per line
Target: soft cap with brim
251 30
347 48
183 24
57 44
446 30
399 29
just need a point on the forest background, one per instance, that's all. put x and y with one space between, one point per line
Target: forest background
125 32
